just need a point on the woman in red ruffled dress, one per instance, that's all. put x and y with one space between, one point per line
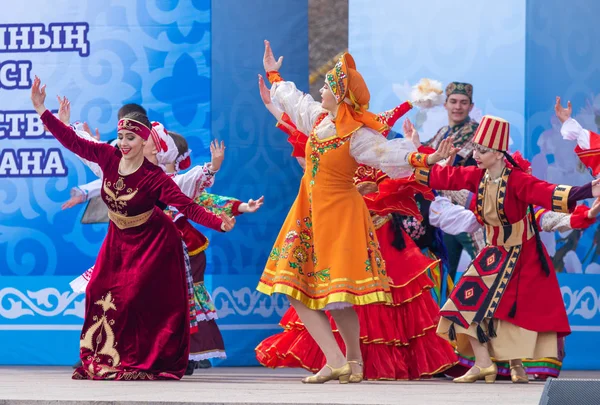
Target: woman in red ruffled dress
129 334
398 341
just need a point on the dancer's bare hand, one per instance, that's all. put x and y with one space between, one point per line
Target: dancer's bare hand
38 95
228 222
269 62
73 201
265 93
64 110
87 129
217 153
595 210
444 151
562 113
366 188
252 205
596 188
410 132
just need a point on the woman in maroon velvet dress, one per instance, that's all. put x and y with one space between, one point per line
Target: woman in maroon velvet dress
136 317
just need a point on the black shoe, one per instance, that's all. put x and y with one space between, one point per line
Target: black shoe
190 367
78 364
203 364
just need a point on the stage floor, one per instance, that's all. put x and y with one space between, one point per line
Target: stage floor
249 386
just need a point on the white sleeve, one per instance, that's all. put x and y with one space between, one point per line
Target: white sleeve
452 218
90 190
556 221
301 107
193 182
372 149
572 131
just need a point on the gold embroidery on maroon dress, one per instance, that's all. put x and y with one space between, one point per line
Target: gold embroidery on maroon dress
115 202
100 340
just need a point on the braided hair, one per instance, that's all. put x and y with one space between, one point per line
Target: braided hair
538 240
398 241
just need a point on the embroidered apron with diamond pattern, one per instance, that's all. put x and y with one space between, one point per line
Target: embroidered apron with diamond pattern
477 294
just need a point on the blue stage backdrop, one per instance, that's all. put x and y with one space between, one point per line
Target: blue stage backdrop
518 55
102 55
258 161
193 65
396 43
563 59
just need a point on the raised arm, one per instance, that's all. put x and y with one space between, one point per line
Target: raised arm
571 130
95 152
300 106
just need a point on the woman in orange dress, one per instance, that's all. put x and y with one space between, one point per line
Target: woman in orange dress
327 256
398 340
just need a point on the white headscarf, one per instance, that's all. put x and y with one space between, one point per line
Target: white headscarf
165 145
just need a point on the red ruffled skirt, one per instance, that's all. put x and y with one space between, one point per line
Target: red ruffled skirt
398 341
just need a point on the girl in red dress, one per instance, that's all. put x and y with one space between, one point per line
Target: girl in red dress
507 304
128 333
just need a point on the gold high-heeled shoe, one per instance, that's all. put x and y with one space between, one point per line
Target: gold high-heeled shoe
342 374
488 374
516 377
356 378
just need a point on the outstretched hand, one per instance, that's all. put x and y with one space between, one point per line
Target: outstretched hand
269 62
252 205
595 210
410 132
265 93
444 151
87 129
228 222
596 188
64 110
73 201
217 153
38 95
562 113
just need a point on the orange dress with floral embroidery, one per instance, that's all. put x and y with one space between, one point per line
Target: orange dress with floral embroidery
327 251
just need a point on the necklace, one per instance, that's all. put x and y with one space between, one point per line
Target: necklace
489 178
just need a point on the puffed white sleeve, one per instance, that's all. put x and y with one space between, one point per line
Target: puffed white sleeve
88 191
370 148
301 107
571 130
452 218
193 182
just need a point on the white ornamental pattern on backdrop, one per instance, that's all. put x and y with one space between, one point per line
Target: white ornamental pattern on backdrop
135 52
